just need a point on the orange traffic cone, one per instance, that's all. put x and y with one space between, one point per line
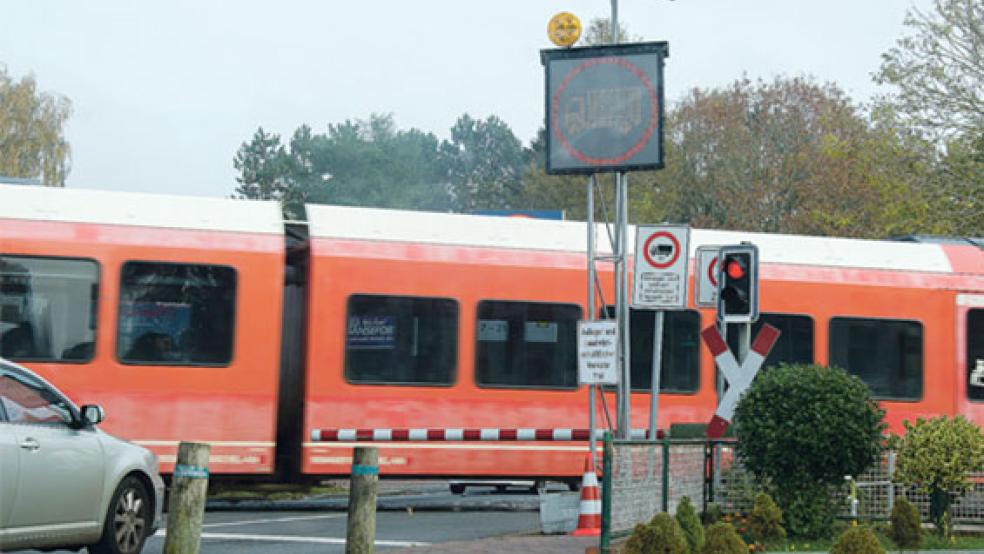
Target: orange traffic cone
589 515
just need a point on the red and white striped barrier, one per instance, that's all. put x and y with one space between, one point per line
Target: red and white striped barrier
739 377
493 434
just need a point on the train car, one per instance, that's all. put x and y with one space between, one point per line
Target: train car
454 321
214 320
165 310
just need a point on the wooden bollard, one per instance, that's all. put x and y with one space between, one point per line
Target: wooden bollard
186 508
360 537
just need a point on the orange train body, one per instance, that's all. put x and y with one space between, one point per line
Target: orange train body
258 409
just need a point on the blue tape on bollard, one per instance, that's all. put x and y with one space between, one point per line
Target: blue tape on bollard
191 472
358 469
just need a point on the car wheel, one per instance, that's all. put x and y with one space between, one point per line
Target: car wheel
127 521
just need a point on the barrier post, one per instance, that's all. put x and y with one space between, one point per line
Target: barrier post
606 495
186 508
360 534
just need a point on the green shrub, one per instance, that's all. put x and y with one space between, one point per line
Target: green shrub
662 534
906 531
712 513
809 511
936 456
857 540
693 531
765 521
804 427
723 539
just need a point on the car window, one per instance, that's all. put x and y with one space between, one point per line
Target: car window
27 401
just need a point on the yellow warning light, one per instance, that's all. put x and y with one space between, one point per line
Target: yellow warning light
564 29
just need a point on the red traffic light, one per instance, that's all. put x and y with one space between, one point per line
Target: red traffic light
734 268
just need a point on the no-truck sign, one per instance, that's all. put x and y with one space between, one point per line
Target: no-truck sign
660 274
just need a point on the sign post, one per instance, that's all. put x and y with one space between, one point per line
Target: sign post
604 112
660 283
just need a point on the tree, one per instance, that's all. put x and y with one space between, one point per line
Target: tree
936 456
789 156
939 68
355 163
599 33
827 417
484 162
32 139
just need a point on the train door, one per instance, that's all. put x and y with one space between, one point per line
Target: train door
970 356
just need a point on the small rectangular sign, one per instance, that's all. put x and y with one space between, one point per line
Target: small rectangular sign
662 257
706 279
371 332
597 352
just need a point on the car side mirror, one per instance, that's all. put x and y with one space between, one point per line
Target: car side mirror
92 414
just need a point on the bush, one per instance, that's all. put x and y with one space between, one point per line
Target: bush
765 521
935 456
809 511
857 540
662 534
723 539
823 416
693 531
906 531
712 513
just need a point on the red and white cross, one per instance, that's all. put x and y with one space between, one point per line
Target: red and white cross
738 376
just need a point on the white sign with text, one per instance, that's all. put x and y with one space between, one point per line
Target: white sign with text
597 352
660 270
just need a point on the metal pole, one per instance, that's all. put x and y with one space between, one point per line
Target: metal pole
744 341
623 304
614 21
592 444
657 367
622 433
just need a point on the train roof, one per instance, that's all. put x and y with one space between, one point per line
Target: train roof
342 222
139 209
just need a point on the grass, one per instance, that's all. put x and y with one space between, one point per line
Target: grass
272 491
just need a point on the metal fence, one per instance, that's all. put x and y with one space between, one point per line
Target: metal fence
641 485
734 489
637 484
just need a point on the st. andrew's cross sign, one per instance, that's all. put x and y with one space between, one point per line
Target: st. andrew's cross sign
739 377
605 107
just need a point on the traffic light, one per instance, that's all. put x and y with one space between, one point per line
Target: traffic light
738 283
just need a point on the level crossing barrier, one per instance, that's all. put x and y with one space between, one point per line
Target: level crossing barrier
470 434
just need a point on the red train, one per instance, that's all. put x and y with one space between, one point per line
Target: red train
214 320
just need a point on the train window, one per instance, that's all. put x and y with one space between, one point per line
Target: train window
527 344
176 314
401 340
885 354
795 343
975 354
48 308
680 364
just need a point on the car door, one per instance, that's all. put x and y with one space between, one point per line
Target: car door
61 469
8 473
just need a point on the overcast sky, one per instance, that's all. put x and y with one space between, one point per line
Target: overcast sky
164 93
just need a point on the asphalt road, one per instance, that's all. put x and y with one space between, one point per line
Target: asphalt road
408 515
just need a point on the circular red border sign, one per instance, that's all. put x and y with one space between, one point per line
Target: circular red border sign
676 250
653 111
710 271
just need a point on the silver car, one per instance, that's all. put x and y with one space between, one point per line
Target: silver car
63 482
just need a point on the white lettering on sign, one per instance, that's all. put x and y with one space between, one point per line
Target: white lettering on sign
597 352
493 330
660 270
977 374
